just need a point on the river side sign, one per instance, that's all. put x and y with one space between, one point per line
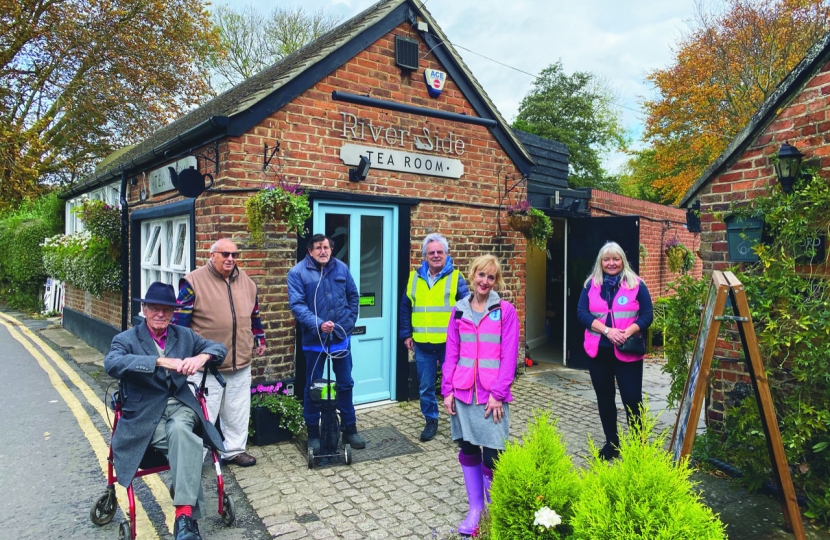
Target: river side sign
397 160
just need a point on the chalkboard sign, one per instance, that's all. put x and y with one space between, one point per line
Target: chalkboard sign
695 389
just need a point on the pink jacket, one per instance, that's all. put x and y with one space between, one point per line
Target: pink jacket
483 355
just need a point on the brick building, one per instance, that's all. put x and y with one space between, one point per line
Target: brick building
797 112
358 90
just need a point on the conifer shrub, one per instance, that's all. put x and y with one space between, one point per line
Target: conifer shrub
643 495
531 474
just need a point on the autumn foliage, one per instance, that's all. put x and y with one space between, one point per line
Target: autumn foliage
80 78
725 67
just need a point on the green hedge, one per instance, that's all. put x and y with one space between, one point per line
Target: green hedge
22 232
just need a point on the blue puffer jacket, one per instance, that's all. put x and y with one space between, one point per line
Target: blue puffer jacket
337 299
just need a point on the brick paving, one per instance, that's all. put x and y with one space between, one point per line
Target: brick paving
413 496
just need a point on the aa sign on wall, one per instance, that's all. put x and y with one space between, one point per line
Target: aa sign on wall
435 81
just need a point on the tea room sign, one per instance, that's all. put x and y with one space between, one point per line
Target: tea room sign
393 153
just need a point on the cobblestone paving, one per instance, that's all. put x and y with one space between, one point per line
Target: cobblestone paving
414 496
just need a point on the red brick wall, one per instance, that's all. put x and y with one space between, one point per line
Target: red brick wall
658 224
805 123
106 308
464 210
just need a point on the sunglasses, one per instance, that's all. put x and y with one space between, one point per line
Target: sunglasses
227 254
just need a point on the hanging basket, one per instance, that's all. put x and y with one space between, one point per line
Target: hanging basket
280 212
520 222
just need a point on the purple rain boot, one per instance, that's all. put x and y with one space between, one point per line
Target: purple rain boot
471 467
487 475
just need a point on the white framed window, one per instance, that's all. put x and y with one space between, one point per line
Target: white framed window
110 194
165 252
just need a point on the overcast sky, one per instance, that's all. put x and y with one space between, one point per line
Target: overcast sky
620 41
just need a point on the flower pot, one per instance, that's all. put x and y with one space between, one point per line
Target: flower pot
520 222
280 212
267 428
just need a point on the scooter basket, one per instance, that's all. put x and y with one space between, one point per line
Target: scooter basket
324 393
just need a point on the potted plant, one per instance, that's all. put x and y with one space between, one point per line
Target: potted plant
534 225
275 415
679 257
283 203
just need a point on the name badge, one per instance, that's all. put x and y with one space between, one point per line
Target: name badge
622 300
495 315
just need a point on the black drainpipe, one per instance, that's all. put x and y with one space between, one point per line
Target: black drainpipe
125 254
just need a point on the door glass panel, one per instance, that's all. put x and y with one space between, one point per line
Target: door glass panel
371 266
337 228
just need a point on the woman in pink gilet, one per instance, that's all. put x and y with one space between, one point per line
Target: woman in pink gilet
478 370
614 305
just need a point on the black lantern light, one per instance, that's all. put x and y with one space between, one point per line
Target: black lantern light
788 166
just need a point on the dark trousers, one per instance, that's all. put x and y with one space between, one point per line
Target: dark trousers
341 368
629 375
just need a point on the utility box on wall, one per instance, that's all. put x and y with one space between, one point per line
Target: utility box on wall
741 235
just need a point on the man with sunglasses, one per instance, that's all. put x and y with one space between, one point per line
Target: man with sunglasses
219 302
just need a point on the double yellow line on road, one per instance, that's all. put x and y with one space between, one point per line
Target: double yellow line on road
99 445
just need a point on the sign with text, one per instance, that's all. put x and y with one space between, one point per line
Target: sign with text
400 161
160 178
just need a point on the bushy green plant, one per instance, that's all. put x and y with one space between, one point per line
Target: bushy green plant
82 260
681 319
679 257
101 220
284 202
642 495
541 230
22 230
274 398
533 473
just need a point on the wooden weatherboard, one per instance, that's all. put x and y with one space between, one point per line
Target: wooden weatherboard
725 286
684 429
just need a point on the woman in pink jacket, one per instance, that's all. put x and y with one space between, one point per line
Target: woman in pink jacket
478 370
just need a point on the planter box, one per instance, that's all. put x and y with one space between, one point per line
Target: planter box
267 428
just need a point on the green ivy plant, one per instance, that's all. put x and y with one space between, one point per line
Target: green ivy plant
284 203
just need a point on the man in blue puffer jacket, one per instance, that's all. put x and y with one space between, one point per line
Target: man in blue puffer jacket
324 299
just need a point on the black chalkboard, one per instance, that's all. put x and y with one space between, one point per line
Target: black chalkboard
684 428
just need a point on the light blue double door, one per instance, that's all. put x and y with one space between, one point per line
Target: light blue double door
364 238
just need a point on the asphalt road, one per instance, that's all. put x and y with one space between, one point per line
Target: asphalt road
52 463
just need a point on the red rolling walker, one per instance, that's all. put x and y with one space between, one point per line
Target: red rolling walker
154 462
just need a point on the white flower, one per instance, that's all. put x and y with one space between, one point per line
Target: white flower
547 518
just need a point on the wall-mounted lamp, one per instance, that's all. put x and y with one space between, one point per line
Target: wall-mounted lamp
359 173
788 167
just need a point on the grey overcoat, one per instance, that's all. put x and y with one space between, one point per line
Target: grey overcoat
132 360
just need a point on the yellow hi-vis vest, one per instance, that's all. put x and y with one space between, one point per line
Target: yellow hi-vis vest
431 311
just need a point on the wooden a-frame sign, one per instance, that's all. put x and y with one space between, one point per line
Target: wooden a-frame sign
725 286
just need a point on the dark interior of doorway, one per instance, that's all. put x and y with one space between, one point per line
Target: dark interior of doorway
551 351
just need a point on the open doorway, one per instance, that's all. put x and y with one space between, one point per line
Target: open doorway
545 326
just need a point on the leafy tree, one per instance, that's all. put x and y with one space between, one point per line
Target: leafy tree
577 110
251 41
725 67
79 78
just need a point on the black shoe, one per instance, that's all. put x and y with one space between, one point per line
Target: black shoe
351 437
242 460
186 528
429 431
609 452
313 442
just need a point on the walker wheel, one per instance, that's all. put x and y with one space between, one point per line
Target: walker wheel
228 510
310 458
124 531
103 510
347 452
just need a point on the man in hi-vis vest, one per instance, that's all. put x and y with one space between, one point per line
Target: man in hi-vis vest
431 293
